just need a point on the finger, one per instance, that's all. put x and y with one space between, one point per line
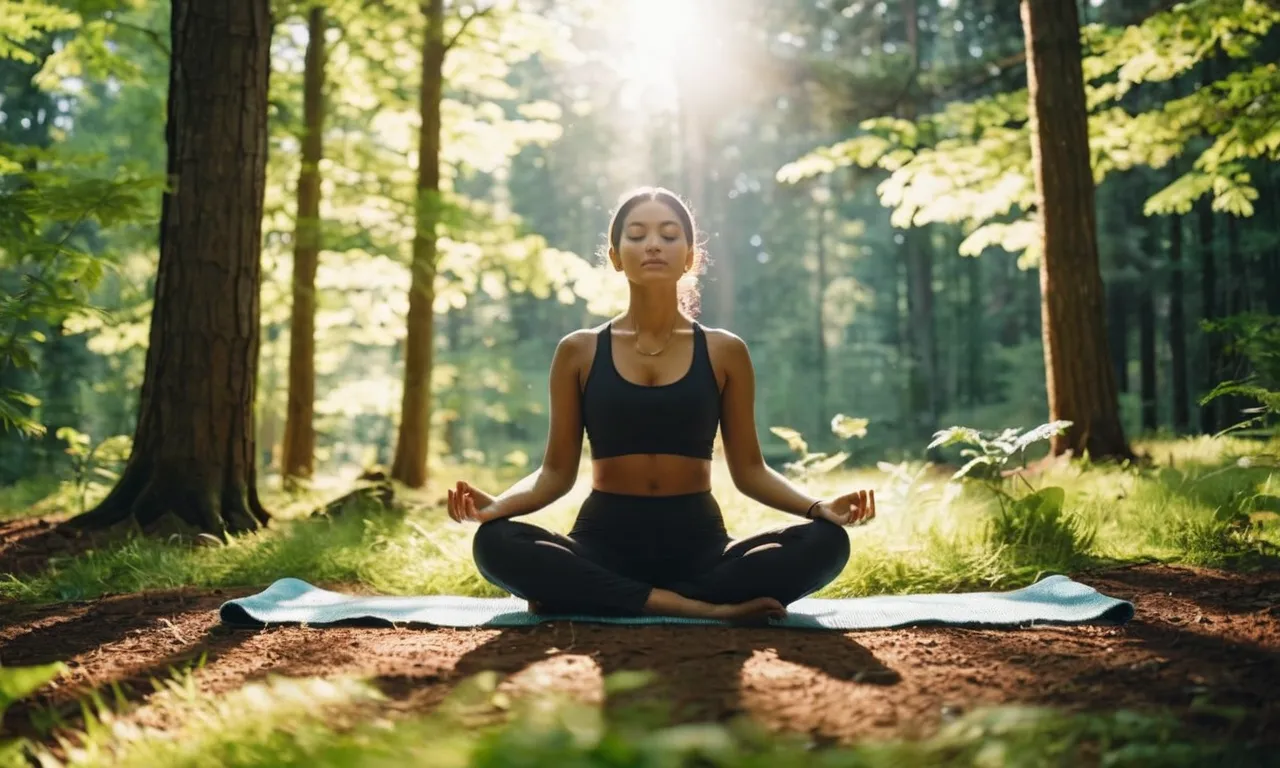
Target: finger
471 508
873 505
452 516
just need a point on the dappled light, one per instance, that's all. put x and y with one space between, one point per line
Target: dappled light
662 382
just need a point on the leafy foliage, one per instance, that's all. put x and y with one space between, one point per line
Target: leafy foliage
51 216
970 163
991 452
16 683
1256 338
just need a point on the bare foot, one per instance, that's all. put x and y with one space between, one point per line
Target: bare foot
755 611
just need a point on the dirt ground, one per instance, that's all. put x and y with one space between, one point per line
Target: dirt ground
1199 636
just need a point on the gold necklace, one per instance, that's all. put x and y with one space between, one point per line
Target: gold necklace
671 333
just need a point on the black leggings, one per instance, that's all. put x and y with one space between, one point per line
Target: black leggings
621 547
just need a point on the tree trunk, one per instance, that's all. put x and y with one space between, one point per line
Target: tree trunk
1211 412
1269 288
1181 394
975 337
297 460
1080 382
821 415
924 343
1147 345
192 465
1235 366
410 463
1119 304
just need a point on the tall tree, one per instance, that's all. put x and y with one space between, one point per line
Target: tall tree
192 464
409 465
1181 394
298 450
1080 380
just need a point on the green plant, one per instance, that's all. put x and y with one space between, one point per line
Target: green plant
1256 339
17 683
1032 531
810 464
94 468
989 453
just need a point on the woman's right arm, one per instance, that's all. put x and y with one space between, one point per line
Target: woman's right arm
559 470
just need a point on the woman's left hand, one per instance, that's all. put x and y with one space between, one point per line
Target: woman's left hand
854 508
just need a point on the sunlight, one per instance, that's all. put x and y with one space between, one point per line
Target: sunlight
658 40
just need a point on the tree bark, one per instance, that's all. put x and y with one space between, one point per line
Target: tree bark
1080 382
820 323
976 335
1119 304
1181 394
1147 345
298 452
1211 412
192 465
412 442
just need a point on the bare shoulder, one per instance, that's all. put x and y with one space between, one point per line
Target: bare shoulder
725 345
575 351
578 341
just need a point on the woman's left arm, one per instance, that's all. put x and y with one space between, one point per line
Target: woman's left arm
750 473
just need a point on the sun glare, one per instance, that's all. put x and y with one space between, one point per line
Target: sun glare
658 44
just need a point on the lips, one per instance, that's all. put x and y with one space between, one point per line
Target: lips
653 263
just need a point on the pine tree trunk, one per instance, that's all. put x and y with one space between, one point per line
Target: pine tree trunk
976 336
1119 305
1235 366
298 452
1211 412
820 325
410 463
1271 288
1181 394
923 338
1147 351
192 465
1080 382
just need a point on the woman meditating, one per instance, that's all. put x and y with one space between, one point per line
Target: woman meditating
649 389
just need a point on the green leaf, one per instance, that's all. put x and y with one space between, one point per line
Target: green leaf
19 682
793 438
847 427
1042 432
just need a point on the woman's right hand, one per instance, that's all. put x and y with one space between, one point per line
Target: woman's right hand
466 502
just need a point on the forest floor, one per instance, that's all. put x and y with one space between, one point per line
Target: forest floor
1204 645
1192 543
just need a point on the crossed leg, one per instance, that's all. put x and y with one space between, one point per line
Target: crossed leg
562 574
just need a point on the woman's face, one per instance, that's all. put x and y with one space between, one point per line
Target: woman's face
653 245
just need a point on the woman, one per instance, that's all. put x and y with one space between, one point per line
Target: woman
649 389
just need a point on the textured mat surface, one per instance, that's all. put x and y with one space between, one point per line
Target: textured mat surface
1052 600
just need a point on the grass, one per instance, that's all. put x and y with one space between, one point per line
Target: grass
341 722
1209 502
1203 502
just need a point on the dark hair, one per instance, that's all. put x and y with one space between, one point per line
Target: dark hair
689 284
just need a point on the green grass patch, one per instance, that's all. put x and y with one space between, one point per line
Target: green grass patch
314 722
1206 502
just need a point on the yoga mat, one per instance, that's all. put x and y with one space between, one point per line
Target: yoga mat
1052 600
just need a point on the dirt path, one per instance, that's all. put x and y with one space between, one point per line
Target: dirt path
1197 635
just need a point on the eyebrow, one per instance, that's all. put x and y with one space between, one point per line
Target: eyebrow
661 224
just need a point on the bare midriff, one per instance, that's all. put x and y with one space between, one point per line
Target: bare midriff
651 474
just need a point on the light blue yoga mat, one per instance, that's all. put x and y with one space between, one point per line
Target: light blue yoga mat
1052 600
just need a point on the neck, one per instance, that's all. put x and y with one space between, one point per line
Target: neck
653 312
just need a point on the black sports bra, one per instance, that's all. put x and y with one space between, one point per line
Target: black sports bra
623 418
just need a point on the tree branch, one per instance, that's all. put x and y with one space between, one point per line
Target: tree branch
466 22
149 33
1001 66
